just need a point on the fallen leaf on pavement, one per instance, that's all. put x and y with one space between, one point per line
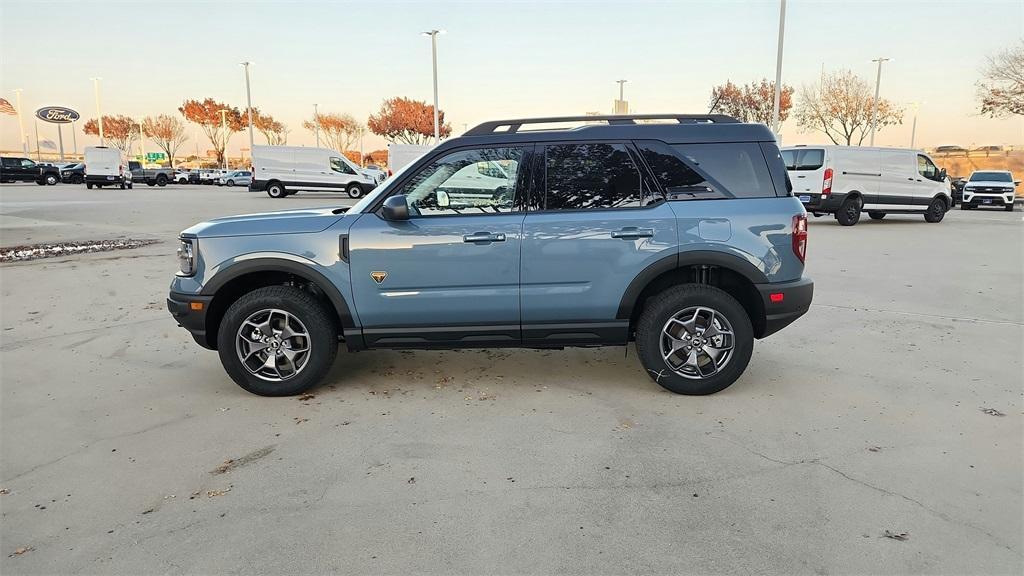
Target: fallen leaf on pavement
901 536
992 412
20 551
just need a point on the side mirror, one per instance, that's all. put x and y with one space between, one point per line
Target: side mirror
942 174
1016 182
443 201
396 208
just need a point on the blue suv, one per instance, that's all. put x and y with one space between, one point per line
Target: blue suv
682 236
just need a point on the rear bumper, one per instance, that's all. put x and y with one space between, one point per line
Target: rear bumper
794 302
92 179
821 204
180 307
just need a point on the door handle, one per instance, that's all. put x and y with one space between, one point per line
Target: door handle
481 237
632 233
802 176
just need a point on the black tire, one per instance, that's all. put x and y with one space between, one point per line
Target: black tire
321 328
354 190
150 183
965 206
276 190
51 179
130 185
41 182
123 186
849 213
876 215
936 211
161 180
1009 207
88 185
231 183
658 309
77 179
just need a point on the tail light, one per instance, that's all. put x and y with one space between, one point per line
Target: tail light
800 236
120 169
826 183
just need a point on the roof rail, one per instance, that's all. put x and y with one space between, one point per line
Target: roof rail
612 119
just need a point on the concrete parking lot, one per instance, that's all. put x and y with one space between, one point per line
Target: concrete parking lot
882 433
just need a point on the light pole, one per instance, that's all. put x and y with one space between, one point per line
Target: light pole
99 112
248 101
621 106
224 127
913 127
874 111
21 124
433 52
316 125
778 70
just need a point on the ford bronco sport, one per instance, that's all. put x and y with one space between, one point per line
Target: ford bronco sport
682 236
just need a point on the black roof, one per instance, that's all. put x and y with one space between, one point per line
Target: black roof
688 129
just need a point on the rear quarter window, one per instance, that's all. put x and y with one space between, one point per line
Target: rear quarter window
803 158
737 169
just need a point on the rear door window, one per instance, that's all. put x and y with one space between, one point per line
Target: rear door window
803 158
592 176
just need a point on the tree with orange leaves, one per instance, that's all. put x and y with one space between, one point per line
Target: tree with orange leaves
207 114
377 158
407 121
752 102
841 107
120 131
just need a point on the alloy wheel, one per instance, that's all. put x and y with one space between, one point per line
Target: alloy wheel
273 345
697 342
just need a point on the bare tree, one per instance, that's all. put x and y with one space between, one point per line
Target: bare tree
341 131
1001 89
167 131
841 107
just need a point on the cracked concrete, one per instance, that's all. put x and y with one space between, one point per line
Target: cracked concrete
864 416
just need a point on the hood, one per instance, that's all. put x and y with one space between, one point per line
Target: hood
288 222
990 183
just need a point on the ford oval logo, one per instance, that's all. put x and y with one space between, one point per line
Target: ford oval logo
57 114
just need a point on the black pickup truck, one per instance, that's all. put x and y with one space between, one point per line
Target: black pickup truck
15 169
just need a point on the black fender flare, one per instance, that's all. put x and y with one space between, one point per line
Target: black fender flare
681 260
291 267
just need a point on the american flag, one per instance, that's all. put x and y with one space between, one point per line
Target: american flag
6 108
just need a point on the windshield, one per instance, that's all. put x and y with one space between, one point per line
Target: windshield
991 177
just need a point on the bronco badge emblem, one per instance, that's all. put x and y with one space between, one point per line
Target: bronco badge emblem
378 277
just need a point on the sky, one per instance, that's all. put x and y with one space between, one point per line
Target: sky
496 59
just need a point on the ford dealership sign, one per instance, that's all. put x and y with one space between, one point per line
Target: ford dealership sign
57 114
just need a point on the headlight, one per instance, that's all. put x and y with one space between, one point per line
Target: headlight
186 257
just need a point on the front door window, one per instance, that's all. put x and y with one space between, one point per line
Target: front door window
480 181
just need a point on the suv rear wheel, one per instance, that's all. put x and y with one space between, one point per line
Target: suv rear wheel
694 339
277 341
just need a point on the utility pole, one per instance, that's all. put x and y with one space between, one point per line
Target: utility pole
21 125
224 127
621 84
248 101
778 70
142 147
433 52
874 112
316 124
99 111
74 138
913 127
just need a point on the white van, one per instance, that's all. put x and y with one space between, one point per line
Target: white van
401 155
285 170
106 167
844 180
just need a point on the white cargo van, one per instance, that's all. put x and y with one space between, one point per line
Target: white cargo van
845 180
106 167
284 170
401 155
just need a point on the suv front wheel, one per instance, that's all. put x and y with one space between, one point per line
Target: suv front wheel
694 339
277 341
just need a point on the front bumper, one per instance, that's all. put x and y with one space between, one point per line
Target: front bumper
182 308
793 303
1001 200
